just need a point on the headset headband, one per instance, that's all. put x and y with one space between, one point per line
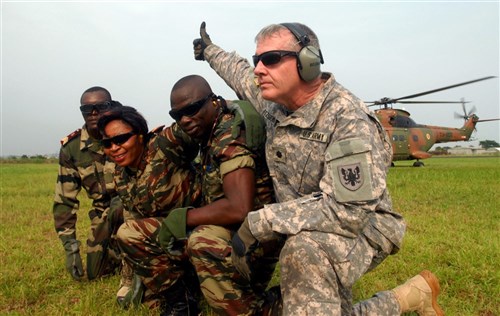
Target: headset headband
297 32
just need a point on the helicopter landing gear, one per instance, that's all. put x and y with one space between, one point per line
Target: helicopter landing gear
418 164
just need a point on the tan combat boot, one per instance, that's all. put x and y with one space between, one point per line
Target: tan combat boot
420 294
125 282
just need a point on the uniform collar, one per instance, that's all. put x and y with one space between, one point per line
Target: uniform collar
87 142
307 115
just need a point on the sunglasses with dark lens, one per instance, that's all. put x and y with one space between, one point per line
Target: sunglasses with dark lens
117 140
191 109
272 57
87 109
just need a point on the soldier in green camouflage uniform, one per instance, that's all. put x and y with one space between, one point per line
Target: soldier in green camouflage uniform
153 175
82 164
235 180
328 156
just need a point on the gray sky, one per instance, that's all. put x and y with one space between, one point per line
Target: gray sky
53 50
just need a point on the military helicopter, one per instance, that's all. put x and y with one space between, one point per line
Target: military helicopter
412 141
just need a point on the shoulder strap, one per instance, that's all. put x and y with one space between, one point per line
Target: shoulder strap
71 136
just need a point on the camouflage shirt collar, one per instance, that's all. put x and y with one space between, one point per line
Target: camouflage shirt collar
307 115
88 142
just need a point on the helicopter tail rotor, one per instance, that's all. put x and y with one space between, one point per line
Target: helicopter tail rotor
467 114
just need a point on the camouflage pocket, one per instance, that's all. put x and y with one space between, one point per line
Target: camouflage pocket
349 164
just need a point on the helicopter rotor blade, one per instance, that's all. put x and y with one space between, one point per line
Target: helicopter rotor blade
488 120
472 111
441 89
430 102
464 110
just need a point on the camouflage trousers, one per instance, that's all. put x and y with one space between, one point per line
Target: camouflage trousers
157 269
319 269
226 291
102 249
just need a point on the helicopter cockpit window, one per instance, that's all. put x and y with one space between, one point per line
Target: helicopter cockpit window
391 120
404 121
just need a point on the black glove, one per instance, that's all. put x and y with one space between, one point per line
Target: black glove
73 259
244 245
200 44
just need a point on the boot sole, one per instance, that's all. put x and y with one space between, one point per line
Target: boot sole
433 282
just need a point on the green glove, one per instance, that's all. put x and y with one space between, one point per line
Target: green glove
73 259
244 244
247 115
200 44
173 228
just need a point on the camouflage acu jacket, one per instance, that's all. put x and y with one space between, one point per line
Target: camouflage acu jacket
226 152
165 178
82 164
328 160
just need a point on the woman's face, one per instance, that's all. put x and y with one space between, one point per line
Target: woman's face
125 152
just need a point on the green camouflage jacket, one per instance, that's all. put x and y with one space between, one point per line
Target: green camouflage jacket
226 152
165 178
82 164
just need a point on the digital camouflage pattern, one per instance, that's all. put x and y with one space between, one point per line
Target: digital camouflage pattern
165 180
209 246
82 164
329 160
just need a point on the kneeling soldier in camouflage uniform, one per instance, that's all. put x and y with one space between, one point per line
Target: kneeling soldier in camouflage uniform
235 180
153 175
328 156
82 164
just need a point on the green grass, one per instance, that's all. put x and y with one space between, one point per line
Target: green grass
452 209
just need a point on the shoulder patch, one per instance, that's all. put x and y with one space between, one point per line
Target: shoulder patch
158 129
66 139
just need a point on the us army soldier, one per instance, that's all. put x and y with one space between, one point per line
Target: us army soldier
328 156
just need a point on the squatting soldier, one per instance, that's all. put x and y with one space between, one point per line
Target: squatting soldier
235 180
153 175
82 164
328 156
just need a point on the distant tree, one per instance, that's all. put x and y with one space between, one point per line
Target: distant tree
24 156
39 157
488 144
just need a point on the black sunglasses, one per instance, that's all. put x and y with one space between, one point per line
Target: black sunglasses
87 109
190 109
117 140
272 57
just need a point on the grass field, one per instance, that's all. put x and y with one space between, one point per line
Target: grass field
452 209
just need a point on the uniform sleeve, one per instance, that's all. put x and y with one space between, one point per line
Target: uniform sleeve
177 145
66 204
230 150
236 163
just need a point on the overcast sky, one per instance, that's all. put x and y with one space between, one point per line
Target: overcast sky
53 50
